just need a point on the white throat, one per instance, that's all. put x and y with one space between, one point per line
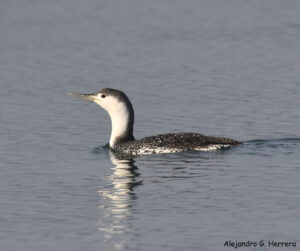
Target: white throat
119 116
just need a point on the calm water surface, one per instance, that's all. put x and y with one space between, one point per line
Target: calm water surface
223 68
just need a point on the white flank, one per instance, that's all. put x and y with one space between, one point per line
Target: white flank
210 147
148 150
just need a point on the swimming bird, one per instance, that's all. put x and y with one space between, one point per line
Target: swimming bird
121 113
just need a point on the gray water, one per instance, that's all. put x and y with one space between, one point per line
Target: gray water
222 68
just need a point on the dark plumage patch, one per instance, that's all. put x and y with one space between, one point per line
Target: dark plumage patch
121 96
178 141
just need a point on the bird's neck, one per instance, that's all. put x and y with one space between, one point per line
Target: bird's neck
122 119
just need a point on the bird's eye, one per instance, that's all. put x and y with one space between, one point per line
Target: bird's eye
103 96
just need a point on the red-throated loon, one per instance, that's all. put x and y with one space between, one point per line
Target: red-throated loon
120 110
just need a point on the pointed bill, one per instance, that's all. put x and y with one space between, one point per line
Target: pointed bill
89 97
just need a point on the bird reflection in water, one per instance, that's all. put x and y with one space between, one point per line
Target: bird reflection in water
118 196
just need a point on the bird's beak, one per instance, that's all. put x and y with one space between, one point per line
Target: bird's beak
89 97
